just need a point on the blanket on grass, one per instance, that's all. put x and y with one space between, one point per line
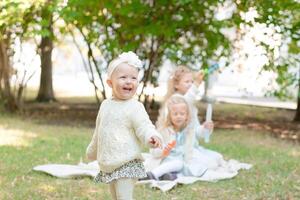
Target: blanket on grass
91 169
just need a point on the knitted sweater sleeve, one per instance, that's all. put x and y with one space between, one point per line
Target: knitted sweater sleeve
144 129
91 151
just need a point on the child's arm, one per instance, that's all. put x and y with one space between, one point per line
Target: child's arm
198 78
200 129
192 93
199 132
91 151
144 129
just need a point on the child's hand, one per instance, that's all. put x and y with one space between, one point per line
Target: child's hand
208 125
155 142
198 78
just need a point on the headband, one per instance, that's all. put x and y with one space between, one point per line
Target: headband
127 57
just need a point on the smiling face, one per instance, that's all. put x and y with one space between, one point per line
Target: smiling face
178 115
184 84
124 81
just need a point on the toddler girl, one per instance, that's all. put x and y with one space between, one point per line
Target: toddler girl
122 125
179 148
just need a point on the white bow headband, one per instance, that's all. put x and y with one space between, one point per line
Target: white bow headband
127 57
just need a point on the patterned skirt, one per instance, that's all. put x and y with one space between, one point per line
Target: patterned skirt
133 169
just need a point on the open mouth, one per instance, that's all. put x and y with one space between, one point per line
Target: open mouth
127 89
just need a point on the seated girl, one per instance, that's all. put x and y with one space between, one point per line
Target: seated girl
181 154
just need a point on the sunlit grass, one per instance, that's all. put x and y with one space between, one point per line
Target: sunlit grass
15 137
247 111
30 94
275 173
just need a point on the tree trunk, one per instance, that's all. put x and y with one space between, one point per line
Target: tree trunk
46 93
154 59
5 70
297 116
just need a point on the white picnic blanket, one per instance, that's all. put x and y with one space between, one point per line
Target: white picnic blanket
229 169
91 169
69 171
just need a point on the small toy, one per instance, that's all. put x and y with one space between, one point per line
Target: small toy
169 146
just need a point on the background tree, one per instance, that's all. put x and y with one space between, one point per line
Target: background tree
283 18
24 21
155 30
14 19
46 93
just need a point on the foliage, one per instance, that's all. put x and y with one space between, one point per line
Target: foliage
11 21
155 30
283 18
22 21
185 32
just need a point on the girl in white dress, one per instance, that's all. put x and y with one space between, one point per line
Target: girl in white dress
185 82
179 148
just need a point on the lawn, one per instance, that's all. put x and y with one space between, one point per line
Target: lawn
26 142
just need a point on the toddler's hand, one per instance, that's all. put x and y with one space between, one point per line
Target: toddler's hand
208 125
155 142
198 78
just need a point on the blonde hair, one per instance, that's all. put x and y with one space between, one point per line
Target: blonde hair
164 120
164 123
176 76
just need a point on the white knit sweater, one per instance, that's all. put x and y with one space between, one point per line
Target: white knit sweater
121 127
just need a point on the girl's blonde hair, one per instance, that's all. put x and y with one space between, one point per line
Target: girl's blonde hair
164 120
164 123
176 76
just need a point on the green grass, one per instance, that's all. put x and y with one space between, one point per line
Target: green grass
243 112
275 174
